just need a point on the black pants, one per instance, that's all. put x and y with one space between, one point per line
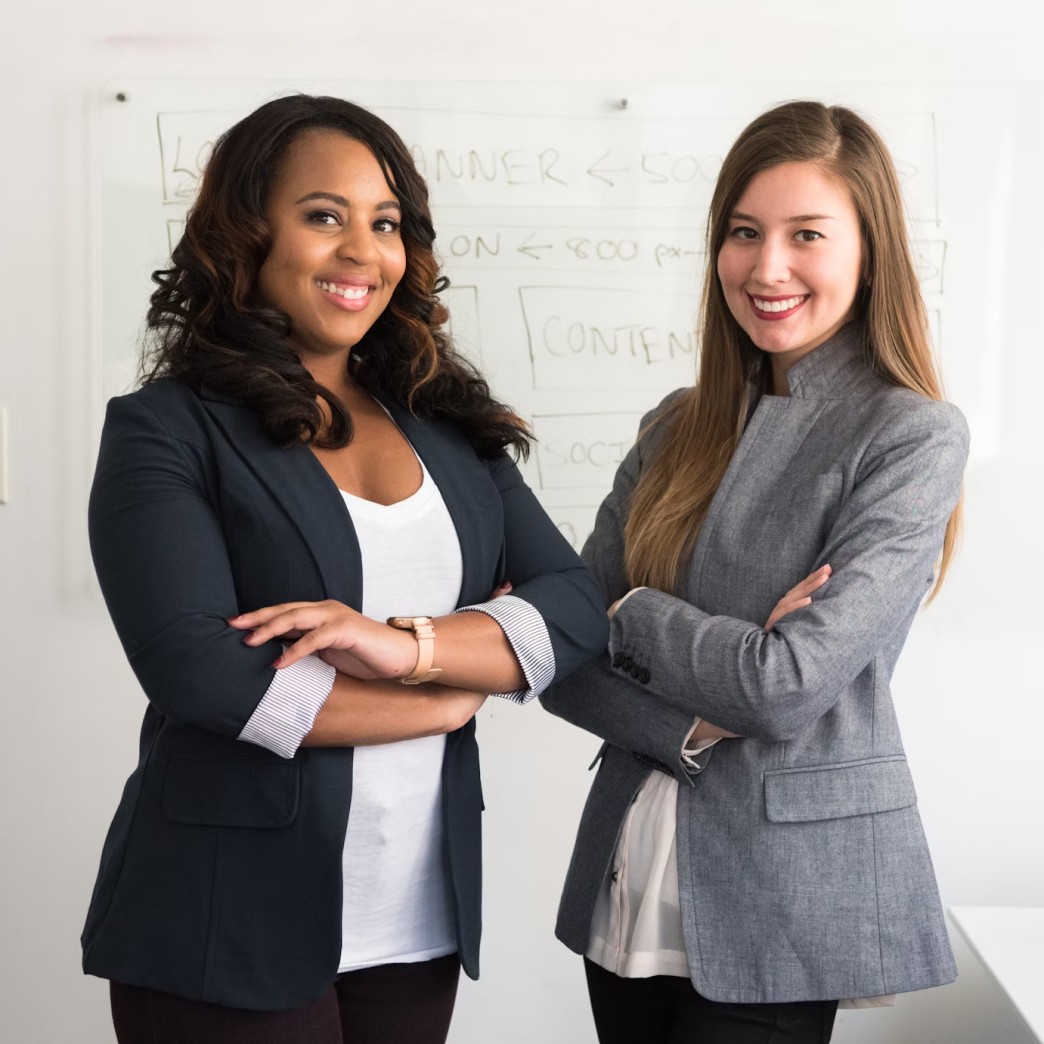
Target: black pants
389 1004
665 1009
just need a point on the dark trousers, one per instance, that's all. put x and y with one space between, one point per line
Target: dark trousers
389 1004
665 1009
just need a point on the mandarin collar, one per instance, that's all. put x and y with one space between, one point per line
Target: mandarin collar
835 368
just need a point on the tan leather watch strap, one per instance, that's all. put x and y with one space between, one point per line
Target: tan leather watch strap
424 631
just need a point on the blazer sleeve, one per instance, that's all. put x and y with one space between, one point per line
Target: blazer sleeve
163 566
548 574
882 550
616 705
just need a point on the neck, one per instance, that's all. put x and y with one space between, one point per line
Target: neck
778 381
331 371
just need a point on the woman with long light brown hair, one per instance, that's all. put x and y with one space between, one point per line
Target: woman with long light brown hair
751 852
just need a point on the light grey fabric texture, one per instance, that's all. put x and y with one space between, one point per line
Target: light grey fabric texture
802 864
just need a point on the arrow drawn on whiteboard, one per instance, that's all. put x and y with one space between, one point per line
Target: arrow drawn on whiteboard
530 250
597 172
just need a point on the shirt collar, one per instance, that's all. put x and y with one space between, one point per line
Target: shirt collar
834 368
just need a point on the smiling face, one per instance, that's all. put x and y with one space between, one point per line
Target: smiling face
791 260
337 253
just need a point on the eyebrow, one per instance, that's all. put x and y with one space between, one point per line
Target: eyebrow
333 197
737 216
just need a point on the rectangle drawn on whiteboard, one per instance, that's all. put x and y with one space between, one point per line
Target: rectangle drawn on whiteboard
582 338
583 451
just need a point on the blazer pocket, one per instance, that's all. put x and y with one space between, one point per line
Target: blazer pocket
209 791
852 788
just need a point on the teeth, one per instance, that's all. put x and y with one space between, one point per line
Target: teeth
352 293
777 306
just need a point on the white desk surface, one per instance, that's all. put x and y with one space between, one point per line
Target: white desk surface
1009 940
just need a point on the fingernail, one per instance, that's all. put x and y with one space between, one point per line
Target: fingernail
278 661
249 635
232 619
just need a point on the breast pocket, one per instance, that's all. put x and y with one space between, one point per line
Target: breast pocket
230 792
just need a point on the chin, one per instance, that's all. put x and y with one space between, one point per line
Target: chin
776 345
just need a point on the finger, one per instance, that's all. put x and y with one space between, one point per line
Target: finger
783 608
292 622
817 578
812 582
289 656
312 642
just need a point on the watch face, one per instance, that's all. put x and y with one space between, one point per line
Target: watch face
408 623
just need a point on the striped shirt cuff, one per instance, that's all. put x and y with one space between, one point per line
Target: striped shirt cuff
527 635
288 708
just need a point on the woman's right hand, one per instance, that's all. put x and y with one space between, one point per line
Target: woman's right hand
798 596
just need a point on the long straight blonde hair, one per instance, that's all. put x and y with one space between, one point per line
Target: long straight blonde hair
702 427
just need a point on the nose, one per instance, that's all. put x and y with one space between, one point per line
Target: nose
357 243
772 264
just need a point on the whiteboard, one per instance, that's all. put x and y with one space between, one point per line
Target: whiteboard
570 222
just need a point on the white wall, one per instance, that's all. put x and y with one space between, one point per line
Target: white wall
970 702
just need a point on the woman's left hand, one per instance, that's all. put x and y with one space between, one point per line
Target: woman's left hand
798 596
352 643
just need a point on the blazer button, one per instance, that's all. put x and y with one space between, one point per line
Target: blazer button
634 670
644 675
618 658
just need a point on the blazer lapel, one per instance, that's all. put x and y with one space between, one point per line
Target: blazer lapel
774 433
472 502
301 487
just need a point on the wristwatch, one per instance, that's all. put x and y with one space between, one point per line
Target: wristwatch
424 630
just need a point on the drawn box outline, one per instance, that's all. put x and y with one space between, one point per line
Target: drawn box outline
588 289
637 415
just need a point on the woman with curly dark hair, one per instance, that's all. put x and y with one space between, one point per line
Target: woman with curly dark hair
306 527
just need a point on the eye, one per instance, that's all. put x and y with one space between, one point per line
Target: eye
322 217
389 226
743 232
808 235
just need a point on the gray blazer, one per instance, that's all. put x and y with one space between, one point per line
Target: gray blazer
802 863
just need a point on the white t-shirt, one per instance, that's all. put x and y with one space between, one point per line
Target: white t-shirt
397 905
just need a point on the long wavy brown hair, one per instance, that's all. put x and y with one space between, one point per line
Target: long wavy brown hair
209 327
702 427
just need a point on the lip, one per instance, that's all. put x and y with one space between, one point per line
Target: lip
347 304
776 316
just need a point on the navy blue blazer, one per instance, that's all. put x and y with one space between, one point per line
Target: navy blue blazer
220 877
